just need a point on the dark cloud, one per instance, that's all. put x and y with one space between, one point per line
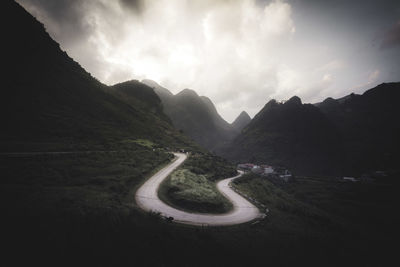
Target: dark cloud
133 5
65 19
392 37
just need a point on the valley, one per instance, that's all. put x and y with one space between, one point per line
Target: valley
133 174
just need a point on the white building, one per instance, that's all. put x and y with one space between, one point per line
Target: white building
351 179
268 170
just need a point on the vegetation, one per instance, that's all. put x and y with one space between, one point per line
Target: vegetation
193 192
352 214
85 182
369 132
78 208
95 221
142 142
284 210
212 167
291 134
196 116
53 104
193 186
349 136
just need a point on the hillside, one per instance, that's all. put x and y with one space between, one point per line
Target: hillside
369 127
50 102
352 135
196 116
140 96
295 135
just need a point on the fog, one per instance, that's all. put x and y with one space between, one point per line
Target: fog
240 54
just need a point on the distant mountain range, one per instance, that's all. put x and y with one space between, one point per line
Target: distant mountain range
48 99
350 135
50 102
197 117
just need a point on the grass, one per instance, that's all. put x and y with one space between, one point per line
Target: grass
143 142
193 186
193 192
77 181
322 207
77 209
285 211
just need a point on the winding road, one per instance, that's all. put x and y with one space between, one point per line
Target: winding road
147 199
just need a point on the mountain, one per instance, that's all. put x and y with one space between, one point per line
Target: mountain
241 121
196 116
140 95
50 102
369 126
291 134
351 135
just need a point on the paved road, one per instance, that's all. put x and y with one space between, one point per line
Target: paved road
147 198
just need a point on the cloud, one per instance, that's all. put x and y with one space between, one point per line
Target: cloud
371 77
65 19
238 53
391 38
134 5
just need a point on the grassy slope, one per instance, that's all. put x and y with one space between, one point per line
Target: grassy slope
76 182
108 233
50 103
193 186
350 219
193 192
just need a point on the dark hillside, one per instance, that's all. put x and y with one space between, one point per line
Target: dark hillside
294 135
196 116
353 135
140 95
369 126
50 102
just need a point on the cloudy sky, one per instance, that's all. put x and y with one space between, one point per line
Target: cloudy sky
239 53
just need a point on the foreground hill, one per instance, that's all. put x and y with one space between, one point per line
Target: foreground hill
292 134
197 117
50 102
353 135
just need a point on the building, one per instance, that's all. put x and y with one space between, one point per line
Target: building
257 169
349 179
245 166
267 169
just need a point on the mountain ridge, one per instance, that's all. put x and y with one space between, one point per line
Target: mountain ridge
196 116
48 98
358 133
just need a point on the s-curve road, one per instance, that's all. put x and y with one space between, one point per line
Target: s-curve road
147 199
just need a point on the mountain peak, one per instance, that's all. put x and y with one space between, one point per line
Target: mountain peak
150 83
294 100
160 91
187 92
241 121
244 114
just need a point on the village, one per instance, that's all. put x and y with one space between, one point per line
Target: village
276 174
